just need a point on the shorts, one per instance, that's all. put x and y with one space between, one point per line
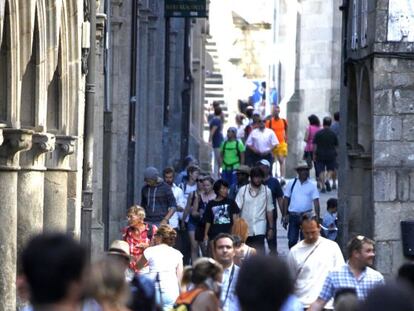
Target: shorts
281 150
330 165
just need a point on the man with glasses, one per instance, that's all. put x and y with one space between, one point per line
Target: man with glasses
356 273
300 194
311 259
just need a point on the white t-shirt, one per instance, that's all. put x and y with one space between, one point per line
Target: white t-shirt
263 140
313 272
253 209
164 261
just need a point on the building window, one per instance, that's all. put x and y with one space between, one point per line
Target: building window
355 17
29 91
364 22
5 68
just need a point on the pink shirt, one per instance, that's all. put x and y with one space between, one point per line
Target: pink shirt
312 130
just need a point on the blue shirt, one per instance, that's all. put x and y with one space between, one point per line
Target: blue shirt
344 278
330 232
275 187
292 303
218 137
231 303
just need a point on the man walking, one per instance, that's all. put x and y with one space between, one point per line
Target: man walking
356 273
300 194
255 203
182 243
224 253
232 155
277 199
157 198
216 138
311 259
280 127
261 142
325 144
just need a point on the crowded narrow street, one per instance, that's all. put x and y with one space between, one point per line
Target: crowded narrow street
206 155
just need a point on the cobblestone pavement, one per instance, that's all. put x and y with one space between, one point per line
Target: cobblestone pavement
282 242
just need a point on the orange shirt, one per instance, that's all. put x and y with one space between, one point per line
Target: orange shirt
278 126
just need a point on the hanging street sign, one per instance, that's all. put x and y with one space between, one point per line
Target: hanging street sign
185 8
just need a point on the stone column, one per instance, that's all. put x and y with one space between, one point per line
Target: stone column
30 188
14 141
56 185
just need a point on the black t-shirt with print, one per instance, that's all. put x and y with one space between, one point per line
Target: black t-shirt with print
220 216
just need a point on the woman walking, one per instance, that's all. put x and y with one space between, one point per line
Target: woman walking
165 266
137 234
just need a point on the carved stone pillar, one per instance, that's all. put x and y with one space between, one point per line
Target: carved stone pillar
56 185
31 188
14 141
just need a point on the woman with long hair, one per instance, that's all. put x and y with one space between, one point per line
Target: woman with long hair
196 207
243 251
204 278
138 234
165 265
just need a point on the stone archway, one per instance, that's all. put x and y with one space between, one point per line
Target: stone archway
357 192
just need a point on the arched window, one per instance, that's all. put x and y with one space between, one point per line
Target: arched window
54 98
5 67
29 92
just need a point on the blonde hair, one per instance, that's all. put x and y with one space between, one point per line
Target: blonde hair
167 234
240 228
135 209
107 284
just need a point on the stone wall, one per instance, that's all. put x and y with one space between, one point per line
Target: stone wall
157 142
393 161
376 148
41 140
317 70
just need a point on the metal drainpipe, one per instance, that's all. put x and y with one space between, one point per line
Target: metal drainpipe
87 195
132 107
107 141
186 93
165 141
343 225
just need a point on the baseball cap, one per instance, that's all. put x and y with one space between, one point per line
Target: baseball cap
264 162
151 173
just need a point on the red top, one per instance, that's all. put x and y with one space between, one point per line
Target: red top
134 238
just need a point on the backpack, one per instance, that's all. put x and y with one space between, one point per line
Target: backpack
237 150
185 300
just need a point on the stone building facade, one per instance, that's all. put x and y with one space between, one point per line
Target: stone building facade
377 142
41 117
310 83
149 105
